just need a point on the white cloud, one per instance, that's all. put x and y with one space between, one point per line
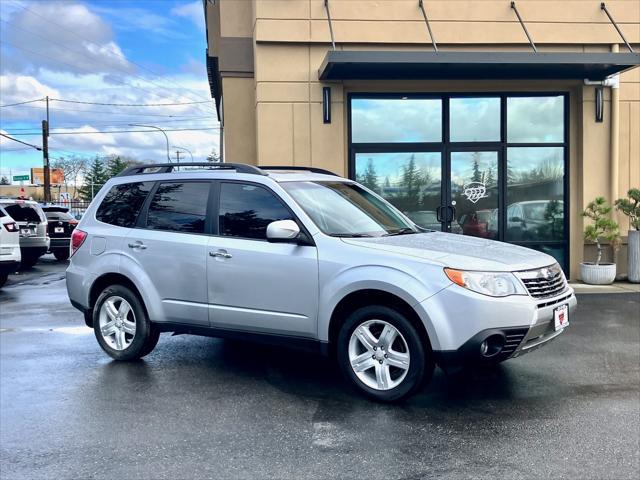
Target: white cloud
193 11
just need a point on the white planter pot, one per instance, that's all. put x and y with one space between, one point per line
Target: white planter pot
633 256
603 274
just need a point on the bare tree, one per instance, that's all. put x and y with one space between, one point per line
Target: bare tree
73 168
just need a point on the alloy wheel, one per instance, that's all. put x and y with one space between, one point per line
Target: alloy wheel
379 354
117 322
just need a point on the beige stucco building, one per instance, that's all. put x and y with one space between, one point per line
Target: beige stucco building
483 137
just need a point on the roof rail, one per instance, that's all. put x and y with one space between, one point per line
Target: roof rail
169 167
301 168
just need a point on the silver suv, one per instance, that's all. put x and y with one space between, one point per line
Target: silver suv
301 257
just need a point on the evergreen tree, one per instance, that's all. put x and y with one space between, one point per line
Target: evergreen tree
477 174
413 182
115 165
94 178
4 181
370 177
490 180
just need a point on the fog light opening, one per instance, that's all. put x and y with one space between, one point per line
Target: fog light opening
492 346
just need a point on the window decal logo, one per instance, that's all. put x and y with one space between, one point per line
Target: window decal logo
474 191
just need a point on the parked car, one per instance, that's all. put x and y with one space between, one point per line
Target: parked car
34 241
301 257
9 246
535 220
60 227
479 224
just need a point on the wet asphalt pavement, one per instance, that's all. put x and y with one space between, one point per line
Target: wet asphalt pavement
208 408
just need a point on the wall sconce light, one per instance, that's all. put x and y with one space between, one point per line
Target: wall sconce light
599 104
326 104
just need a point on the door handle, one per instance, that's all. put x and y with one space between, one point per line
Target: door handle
451 209
138 245
439 213
220 254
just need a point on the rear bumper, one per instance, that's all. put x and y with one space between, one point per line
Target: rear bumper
34 242
59 243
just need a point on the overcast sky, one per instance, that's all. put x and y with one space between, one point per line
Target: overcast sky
105 51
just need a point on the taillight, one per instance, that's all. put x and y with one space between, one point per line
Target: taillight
73 221
77 239
11 227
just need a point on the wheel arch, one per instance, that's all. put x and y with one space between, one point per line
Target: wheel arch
103 282
371 296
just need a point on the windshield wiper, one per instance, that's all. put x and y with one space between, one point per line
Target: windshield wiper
351 235
400 231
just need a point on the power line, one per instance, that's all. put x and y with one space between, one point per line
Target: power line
58 109
117 131
128 104
105 123
20 141
22 103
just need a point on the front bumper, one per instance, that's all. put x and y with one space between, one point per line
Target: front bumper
461 320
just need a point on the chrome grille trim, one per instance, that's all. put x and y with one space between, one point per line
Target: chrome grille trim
544 282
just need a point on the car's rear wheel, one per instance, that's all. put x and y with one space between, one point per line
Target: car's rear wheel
28 260
3 278
380 351
121 324
61 254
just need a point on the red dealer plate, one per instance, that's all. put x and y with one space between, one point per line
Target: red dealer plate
561 317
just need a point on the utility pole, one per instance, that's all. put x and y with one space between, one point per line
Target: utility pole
178 156
45 155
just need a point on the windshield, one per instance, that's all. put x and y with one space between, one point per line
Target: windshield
347 210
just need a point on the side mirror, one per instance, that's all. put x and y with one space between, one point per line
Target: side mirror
283 231
515 220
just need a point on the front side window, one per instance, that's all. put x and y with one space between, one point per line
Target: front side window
347 210
122 204
246 210
179 207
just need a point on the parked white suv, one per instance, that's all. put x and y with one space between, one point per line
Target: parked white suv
302 257
32 225
9 246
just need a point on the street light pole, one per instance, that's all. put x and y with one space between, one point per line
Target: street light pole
186 150
157 128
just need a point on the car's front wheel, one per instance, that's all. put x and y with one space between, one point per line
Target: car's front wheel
380 351
121 324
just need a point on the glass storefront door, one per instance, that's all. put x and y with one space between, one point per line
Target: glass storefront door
473 207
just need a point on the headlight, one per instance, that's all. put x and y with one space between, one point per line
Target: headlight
495 284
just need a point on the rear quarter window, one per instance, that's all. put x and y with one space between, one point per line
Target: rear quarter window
122 204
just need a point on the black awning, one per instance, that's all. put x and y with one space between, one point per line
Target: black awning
414 65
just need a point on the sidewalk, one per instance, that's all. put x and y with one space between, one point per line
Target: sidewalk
616 287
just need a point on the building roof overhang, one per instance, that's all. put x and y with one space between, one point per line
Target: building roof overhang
418 65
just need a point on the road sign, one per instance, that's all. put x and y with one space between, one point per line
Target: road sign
19 178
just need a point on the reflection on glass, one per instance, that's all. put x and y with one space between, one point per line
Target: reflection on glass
474 189
410 181
535 119
556 251
535 192
396 120
474 119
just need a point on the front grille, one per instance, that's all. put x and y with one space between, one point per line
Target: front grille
513 338
544 282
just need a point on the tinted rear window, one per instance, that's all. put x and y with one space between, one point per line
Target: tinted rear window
58 215
179 207
122 204
21 212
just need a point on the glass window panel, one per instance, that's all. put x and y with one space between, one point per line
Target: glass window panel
474 189
535 193
408 180
474 119
123 203
535 119
179 207
396 120
556 251
246 211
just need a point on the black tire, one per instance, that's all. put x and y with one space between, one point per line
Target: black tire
61 255
28 261
421 363
146 335
3 279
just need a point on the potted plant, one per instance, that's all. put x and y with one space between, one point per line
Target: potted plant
600 273
631 208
